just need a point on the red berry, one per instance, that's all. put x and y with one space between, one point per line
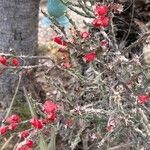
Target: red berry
104 22
3 130
100 10
104 43
67 65
52 117
59 41
49 106
13 119
85 35
97 22
44 121
110 128
89 56
24 134
29 143
101 22
12 126
3 60
36 123
142 99
15 62
24 147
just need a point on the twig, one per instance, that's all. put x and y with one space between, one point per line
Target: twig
61 28
23 67
6 143
32 111
26 56
144 37
61 89
78 139
113 32
14 97
86 110
120 146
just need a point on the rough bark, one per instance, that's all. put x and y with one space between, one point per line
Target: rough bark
18 31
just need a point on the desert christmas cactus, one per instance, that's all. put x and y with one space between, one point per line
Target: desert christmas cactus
102 86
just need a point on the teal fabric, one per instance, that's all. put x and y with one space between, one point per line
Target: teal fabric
45 22
63 21
56 9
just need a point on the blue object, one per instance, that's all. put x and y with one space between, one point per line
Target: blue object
57 10
45 22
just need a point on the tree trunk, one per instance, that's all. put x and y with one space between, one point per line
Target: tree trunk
18 31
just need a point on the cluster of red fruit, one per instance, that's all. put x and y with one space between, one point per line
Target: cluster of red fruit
49 108
12 122
142 99
91 55
60 41
87 57
12 61
101 20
